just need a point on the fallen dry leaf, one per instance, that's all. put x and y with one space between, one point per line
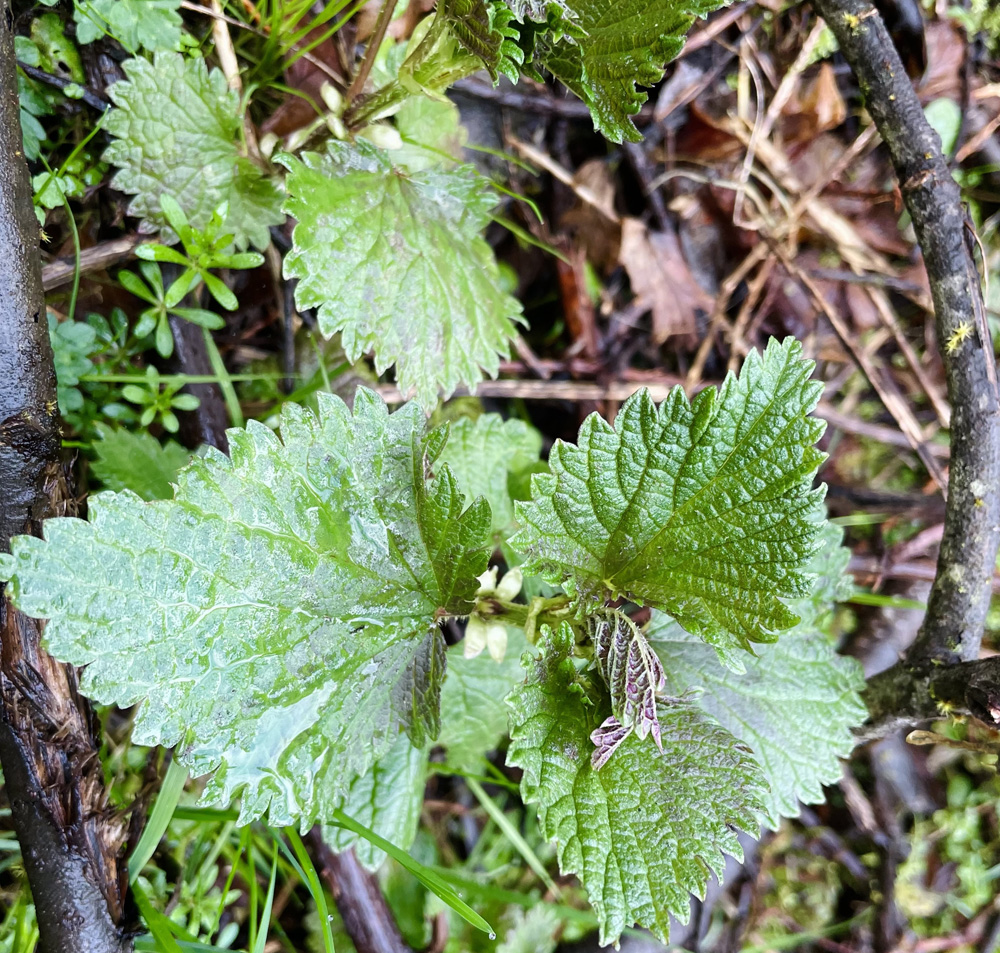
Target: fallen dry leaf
661 279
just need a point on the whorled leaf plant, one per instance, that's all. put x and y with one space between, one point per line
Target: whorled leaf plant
277 621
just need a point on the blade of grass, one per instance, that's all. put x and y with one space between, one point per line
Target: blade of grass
489 893
449 771
512 834
265 916
206 814
425 875
148 944
886 602
306 870
160 927
225 381
181 378
233 867
159 818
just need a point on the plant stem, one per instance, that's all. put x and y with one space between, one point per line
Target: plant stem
374 44
530 617
70 838
952 629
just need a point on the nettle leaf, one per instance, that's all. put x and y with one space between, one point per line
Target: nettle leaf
473 711
432 132
395 262
798 700
489 457
177 133
624 44
278 618
704 509
135 24
484 29
647 829
138 462
633 674
387 799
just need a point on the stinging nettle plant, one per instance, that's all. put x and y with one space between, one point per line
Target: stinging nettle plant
278 621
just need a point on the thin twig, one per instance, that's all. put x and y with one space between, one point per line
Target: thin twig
960 595
374 42
59 272
88 96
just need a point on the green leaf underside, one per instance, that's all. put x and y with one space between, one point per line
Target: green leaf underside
487 455
177 129
386 799
279 615
474 712
704 509
146 24
625 44
396 263
645 831
796 703
631 671
138 462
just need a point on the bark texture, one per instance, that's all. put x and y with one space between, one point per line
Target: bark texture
956 613
70 839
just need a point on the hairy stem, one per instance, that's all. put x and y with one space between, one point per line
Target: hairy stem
952 629
70 838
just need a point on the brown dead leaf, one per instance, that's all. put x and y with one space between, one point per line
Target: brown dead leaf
823 100
592 217
945 55
297 109
661 279
581 317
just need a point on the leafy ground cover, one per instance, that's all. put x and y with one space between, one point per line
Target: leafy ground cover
343 317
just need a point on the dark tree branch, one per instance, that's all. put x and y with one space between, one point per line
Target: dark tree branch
207 423
902 696
952 629
70 839
88 96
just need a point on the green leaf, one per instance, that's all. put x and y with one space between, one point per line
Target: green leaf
488 456
136 24
474 714
484 29
624 44
648 828
138 462
177 133
387 799
534 931
276 614
72 344
432 133
704 510
396 263
797 702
